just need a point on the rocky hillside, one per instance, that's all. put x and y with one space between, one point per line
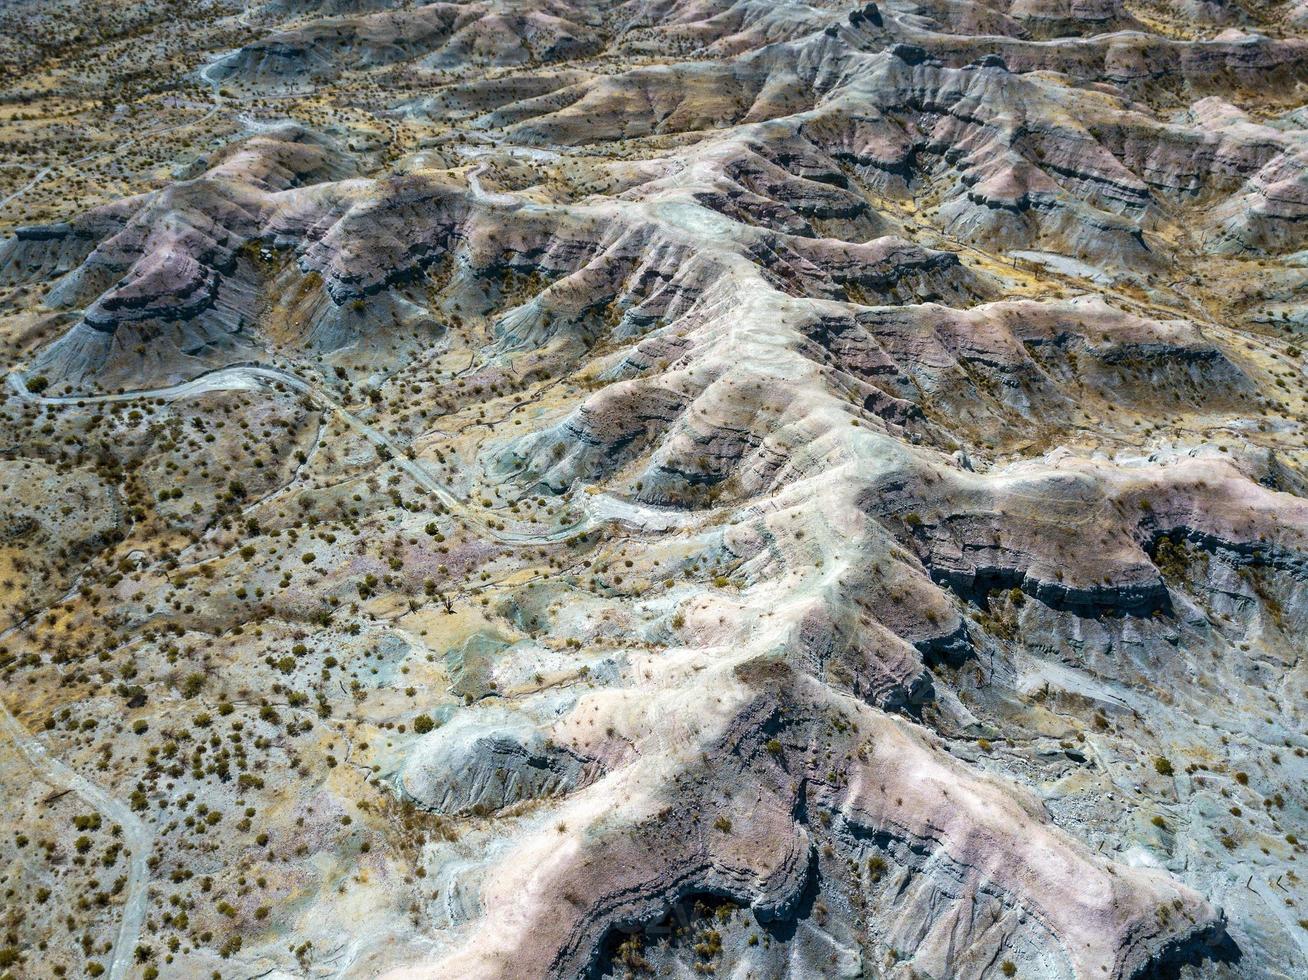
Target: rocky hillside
562 488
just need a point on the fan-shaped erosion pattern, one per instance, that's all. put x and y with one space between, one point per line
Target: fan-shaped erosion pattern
753 488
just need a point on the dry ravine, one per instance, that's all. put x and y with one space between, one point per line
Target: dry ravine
741 488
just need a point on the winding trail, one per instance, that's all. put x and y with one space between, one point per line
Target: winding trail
481 194
115 151
138 837
219 102
254 376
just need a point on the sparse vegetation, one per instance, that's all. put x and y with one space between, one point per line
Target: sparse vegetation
474 437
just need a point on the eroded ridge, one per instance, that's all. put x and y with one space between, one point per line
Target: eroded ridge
558 489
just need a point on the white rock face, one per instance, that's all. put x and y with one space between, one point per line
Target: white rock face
736 488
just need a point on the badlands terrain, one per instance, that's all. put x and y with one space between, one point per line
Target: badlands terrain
654 488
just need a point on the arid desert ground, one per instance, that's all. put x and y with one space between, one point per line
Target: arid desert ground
522 489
